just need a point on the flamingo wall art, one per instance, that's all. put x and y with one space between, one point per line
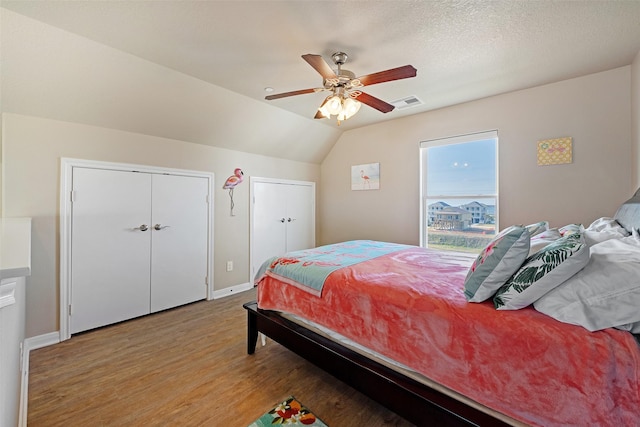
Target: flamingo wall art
365 177
231 183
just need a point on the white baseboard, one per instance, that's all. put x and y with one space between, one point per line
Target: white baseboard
232 290
29 344
40 341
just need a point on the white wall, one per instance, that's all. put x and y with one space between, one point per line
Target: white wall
32 150
52 73
67 96
595 110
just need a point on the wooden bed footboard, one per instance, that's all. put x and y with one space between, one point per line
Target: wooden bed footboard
416 402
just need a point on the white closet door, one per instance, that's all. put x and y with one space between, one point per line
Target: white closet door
110 257
179 248
300 217
269 222
283 220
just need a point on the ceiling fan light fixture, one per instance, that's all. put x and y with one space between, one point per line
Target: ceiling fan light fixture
323 110
340 105
350 107
346 98
334 105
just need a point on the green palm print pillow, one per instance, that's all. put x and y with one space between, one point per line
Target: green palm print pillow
543 271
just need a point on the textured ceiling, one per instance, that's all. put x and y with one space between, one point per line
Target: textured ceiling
463 50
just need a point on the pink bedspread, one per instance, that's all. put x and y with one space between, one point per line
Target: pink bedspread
410 306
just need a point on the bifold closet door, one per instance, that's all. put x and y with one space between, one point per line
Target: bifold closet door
111 226
283 220
179 240
269 216
299 216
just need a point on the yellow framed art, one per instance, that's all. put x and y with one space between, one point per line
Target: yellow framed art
556 151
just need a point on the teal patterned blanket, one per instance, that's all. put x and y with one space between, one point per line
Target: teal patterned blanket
308 269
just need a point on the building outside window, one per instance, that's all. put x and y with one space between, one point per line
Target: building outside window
459 191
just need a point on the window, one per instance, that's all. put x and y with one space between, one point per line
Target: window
459 191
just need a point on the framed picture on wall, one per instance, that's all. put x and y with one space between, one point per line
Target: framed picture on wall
558 151
365 177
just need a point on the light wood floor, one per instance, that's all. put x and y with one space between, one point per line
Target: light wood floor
183 367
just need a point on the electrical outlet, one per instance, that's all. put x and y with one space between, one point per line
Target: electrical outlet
229 265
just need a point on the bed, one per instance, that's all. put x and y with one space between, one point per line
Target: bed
422 349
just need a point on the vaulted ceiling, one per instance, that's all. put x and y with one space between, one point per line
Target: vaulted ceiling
463 50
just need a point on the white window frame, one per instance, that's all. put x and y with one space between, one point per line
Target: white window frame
459 139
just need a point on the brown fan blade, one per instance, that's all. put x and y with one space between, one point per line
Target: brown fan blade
285 94
388 75
320 65
374 102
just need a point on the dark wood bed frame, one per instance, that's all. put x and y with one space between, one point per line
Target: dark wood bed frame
415 401
407 397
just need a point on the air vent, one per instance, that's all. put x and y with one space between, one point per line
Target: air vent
410 101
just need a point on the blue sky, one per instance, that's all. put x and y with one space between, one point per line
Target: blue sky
462 169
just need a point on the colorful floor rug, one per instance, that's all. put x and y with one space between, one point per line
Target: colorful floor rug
288 412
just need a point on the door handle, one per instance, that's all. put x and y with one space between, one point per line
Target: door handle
282 220
160 227
291 219
143 227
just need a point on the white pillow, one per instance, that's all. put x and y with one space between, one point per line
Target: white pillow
603 229
604 294
570 229
607 224
594 237
542 272
541 240
537 228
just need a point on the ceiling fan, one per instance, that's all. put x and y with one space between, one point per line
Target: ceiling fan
346 95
